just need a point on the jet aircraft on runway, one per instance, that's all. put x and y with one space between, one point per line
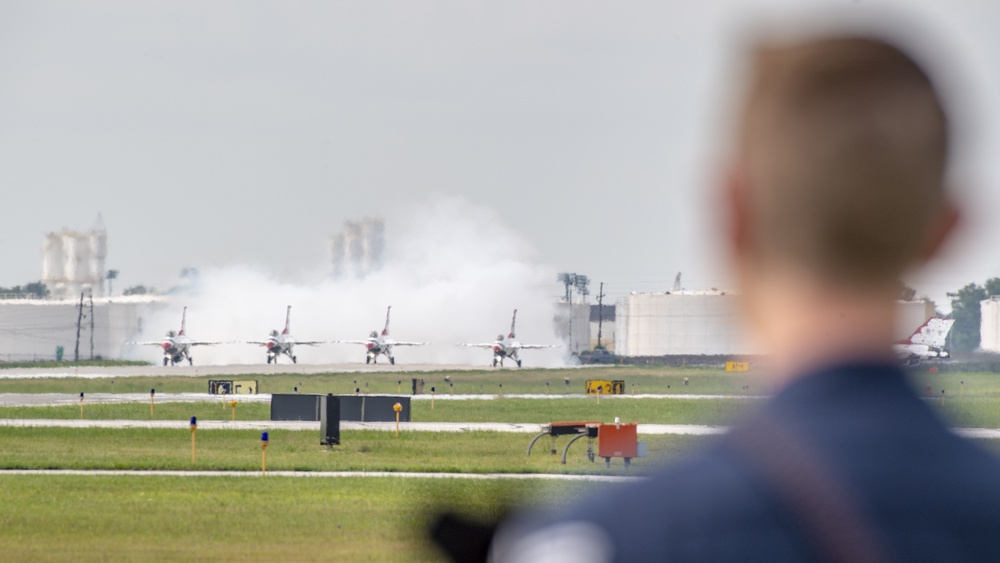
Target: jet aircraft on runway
283 343
508 347
176 345
380 344
927 342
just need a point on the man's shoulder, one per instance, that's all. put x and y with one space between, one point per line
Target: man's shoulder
679 513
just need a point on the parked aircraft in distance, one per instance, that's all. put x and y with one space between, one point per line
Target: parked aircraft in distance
380 344
176 345
927 342
279 343
509 347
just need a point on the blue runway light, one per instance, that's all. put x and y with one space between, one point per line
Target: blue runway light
152 391
263 437
194 421
81 394
432 389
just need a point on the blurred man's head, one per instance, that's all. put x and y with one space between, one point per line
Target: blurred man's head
843 147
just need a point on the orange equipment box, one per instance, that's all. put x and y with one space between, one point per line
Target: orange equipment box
617 440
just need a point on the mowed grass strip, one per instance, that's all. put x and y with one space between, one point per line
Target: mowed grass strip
560 381
451 452
504 409
151 518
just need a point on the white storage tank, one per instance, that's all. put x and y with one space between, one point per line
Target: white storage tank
989 325
679 323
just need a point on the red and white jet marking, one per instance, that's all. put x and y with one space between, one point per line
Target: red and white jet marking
927 342
176 345
279 343
380 344
509 347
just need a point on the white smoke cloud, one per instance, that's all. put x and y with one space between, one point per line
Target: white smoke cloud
453 273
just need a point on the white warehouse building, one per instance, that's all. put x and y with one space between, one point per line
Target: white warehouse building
679 323
32 329
707 323
989 325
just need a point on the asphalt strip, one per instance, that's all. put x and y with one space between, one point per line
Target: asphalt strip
295 425
322 474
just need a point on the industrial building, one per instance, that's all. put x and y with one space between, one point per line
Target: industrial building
989 325
706 323
577 338
73 262
602 320
44 329
358 250
678 323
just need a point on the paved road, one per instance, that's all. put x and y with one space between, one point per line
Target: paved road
95 372
323 474
524 428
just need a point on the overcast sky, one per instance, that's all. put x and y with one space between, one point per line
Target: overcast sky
219 133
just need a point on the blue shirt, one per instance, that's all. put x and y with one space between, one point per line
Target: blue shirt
930 495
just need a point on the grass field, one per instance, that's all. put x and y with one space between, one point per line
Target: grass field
369 450
98 518
659 411
641 379
101 518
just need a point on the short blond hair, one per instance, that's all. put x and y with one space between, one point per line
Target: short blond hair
845 143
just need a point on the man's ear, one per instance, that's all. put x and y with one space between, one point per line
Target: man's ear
737 211
947 221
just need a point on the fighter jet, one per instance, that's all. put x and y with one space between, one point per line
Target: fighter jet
283 343
176 345
508 347
927 342
380 344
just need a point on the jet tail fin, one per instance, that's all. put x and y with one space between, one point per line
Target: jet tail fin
288 320
934 332
183 322
388 311
513 322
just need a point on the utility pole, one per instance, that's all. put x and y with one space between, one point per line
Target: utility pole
79 321
91 325
600 315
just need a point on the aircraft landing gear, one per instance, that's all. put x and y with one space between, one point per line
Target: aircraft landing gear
295 360
494 362
269 359
392 360
368 359
190 361
165 361
519 363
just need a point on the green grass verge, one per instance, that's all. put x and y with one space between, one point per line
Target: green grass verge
650 411
639 379
101 518
450 452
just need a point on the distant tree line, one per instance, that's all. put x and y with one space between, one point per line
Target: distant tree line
966 311
33 290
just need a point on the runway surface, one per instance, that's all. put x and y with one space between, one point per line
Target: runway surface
323 474
96 372
523 428
295 425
